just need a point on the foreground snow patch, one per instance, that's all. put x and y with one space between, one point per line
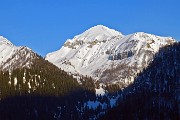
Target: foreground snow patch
100 91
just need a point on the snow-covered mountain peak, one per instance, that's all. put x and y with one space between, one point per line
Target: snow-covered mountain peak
12 57
5 41
98 33
107 55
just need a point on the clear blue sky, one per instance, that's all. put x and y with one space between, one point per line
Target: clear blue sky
44 25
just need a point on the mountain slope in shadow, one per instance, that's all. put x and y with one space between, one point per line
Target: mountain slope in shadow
42 92
155 93
56 95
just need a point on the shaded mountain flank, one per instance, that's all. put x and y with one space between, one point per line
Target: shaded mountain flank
155 93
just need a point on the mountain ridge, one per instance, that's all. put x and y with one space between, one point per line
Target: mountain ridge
3 40
94 56
126 67
12 57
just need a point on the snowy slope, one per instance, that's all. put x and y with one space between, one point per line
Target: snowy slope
12 57
107 55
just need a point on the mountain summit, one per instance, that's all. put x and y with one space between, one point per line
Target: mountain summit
12 57
107 55
5 41
98 32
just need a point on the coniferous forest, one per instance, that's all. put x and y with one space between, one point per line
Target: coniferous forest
154 95
43 91
46 92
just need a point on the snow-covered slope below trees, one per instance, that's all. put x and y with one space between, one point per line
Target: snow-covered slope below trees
12 57
107 55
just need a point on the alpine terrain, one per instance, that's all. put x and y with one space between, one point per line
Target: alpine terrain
99 74
33 88
12 57
107 55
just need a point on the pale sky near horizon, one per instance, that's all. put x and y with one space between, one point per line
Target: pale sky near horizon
44 25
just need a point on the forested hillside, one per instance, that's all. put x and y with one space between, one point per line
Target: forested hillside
43 91
46 92
42 78
155 92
